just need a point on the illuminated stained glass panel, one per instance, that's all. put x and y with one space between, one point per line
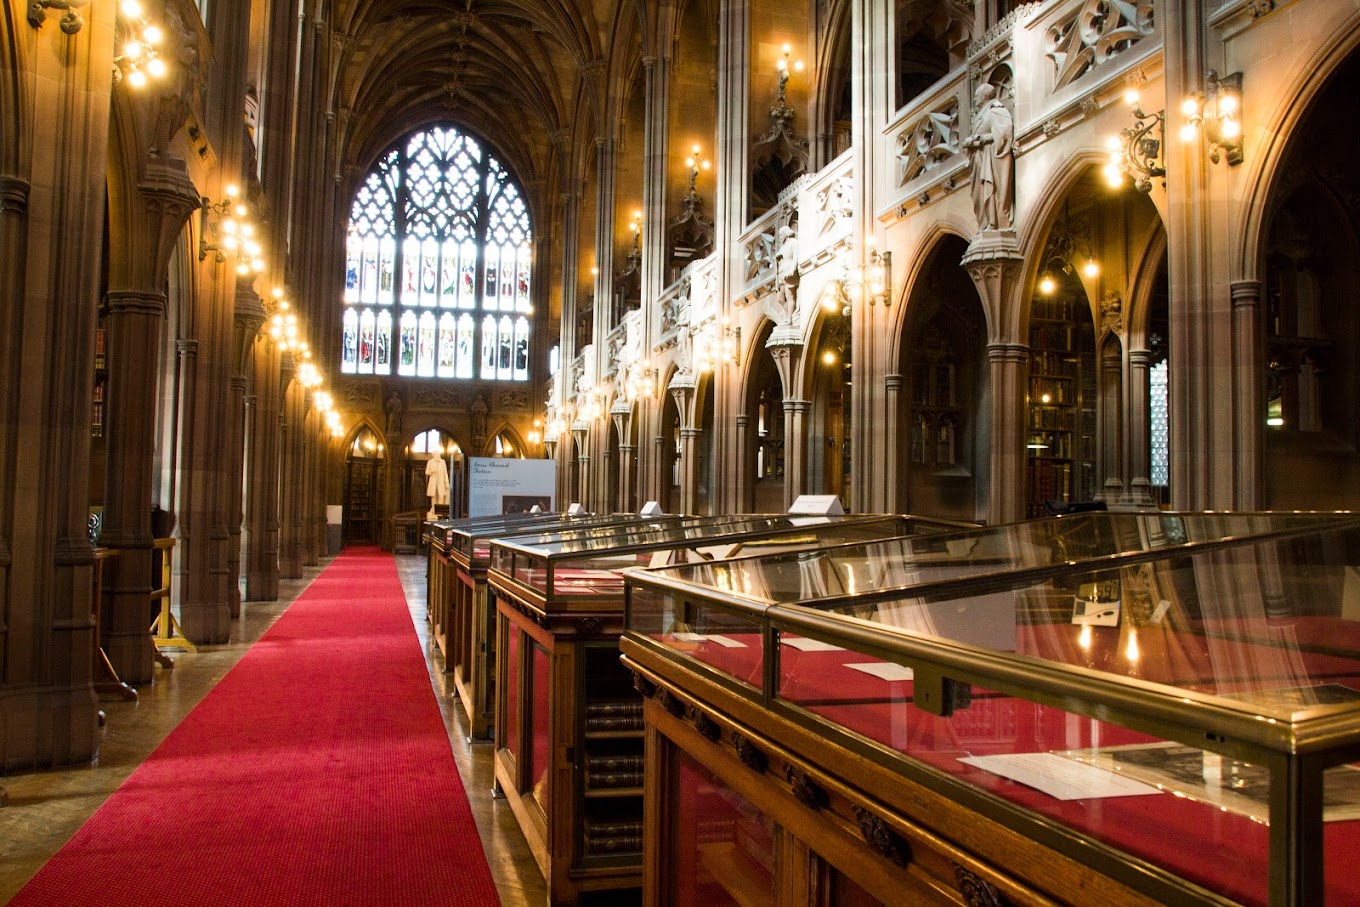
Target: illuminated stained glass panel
349 345
438 230
1159 425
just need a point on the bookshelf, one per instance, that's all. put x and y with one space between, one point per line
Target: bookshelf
1061 417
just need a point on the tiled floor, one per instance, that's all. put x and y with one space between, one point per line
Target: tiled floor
46 808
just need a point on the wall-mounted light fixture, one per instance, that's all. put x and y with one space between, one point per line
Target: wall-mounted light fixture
71 22
786 68
138 38
226 228
1217 112
870 281
641 382
1137 151
695 162
1068 242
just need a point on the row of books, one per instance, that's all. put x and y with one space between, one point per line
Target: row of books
614 715
613 837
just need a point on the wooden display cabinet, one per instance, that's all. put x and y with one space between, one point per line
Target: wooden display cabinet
568 725
466 629
806 744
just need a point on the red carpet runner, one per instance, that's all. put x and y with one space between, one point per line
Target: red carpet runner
318 771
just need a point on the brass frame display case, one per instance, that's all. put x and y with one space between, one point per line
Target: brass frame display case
1248 672
568 726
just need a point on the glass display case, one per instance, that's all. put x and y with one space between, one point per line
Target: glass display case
462 617
562 594
1098 708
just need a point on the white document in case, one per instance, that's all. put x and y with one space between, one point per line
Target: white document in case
804 644
884 670
723 641
1059 777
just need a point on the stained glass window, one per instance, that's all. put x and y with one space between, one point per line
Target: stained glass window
1159 423
438 265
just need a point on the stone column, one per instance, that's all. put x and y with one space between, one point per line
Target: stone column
1139 410
795 449
260 533
893 499
1249 374
994 262
1111 414
1008 373
146 219
741 465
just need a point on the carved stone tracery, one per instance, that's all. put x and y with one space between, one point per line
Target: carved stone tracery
1098 32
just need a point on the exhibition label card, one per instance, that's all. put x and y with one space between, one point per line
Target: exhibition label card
724 641
1059 777
884 670
802 643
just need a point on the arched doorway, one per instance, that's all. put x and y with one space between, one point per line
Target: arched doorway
828 379
765 437
1311 254
668 446
363 513
705 472
943 422
429 445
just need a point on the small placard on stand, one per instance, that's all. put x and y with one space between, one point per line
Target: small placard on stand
651 508
817 505
576 509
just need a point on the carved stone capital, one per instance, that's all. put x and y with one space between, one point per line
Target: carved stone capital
135 302
14 194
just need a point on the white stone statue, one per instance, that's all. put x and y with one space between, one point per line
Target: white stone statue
436 482
991 154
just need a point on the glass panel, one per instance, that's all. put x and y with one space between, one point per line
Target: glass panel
368 283
407 363
354 253
724 846
512 711
426 351
541 716
446 345
467 280
1159 425
429 272
492 278
505 343
726 641
387 251
465 341
366 341
448 274
488 347
349 351
410 269
522 349
877 568
506 300
383 362
522 303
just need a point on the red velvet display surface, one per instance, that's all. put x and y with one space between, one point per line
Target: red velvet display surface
318 771
1224 852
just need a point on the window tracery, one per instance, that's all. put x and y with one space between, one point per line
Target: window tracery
439 234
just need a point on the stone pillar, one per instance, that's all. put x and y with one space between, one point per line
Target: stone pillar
248 317
1008 373
51 225
1249 374
260 534
146 218
1111 415
895 456
994 262
795 449
1139 411
741 465
689 468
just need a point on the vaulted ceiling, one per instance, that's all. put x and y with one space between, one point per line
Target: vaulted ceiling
528 76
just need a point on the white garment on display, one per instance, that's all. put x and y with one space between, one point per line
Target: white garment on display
437 485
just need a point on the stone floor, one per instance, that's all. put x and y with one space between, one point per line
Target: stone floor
46 808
